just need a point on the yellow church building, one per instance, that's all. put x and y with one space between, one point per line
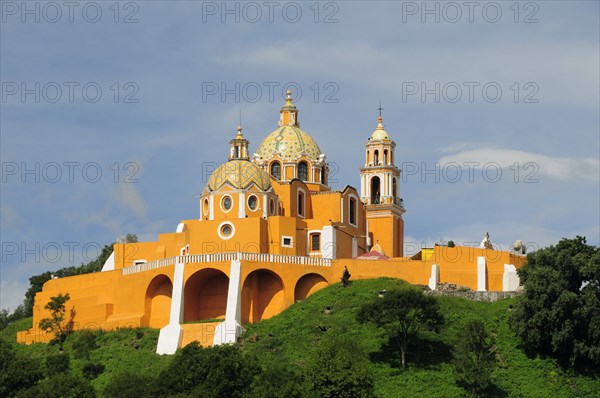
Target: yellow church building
270 232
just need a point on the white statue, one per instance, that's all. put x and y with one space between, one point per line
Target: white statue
486 243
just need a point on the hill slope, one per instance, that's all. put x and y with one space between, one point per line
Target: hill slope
295 335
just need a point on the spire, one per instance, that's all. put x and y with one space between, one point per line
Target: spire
239 146
288 116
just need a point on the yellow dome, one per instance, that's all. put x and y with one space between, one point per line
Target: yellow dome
289 142
240 174
380 133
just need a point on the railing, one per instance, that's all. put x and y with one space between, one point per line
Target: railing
208 258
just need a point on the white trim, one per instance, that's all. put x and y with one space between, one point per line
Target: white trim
221 203
221 226
205 213
229 330
328 242
265 209
481 274
109 264
180 228
354 247
242 205
169 339
291 238
434 280
211 207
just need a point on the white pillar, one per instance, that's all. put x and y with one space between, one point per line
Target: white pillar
329 242
354 247
169 339
265 206
242 206
211 207
510 278
481 274
434 280
229 330
109 264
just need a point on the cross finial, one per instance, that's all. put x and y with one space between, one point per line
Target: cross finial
380 108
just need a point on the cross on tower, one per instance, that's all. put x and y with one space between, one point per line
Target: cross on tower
380 109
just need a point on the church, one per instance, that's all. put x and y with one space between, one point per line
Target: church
269 232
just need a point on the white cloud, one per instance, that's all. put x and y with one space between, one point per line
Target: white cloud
126 195
530 164
12 293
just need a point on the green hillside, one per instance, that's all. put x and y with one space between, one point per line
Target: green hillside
297 336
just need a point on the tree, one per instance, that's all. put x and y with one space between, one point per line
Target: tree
57 363
339 369
451 243
56 324
403 314
130 384
474 360
16 372
219 371
62 385
559 314
84 343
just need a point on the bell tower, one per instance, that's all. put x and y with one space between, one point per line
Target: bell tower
380 192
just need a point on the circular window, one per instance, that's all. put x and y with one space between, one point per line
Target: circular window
253 202
226 230
205 206
272 206
226 203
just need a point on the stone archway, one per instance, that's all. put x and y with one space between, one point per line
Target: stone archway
157 306
262 296
309 284
205 295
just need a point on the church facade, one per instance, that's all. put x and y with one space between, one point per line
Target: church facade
270 232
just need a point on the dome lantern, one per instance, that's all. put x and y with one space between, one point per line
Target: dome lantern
239 147
288 116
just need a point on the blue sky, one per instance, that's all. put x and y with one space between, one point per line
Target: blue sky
113 116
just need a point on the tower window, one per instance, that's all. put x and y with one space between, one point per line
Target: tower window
352 211
276 170
252 202
395 190
375 193
303 171
227 203
272 206
300 204
376 157
315 242
385 157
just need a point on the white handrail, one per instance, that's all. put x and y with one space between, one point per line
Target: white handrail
240 256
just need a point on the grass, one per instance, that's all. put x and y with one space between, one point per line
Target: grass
294 334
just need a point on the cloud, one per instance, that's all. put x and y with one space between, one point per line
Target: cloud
559 168
12 293
126 195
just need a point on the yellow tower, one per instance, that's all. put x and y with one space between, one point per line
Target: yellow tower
380 181
290 153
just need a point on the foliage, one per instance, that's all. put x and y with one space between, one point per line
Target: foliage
56 324
559 314
277 379
84 343
473 358
451 243
57 363
7 319
91 370
220 371
339 369
62 385
130 384
16 372
403 314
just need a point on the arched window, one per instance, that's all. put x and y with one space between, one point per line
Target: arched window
395 190
303 171
352 211
276 170
375 194
376 158
301 204
323 175
385 157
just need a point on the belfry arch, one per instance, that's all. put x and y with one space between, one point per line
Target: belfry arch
262 296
